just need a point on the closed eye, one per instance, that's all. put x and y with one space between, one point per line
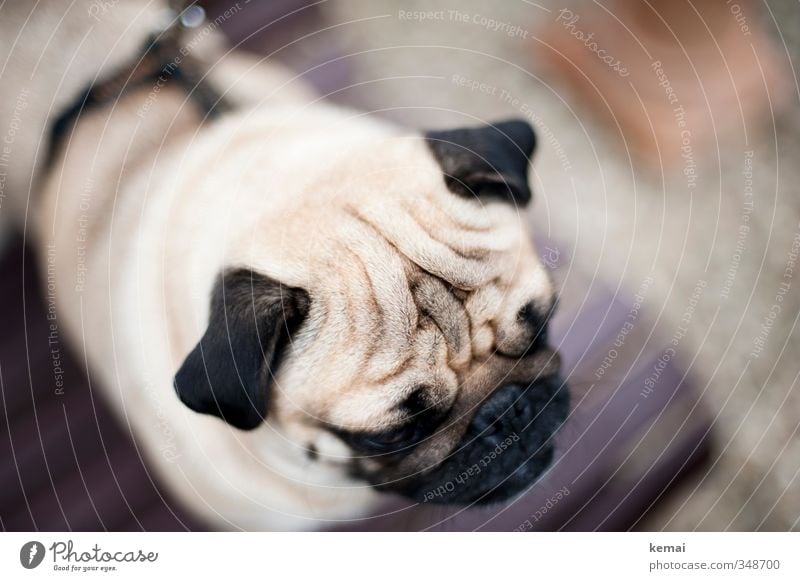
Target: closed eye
421 421
396 439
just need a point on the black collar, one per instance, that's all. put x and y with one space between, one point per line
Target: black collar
160 62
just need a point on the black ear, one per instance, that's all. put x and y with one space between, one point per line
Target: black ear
490 161
229 372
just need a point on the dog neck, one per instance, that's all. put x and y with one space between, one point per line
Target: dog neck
161 60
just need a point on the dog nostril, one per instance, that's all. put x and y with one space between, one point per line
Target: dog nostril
493 417
485 423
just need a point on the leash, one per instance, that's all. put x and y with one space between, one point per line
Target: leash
162 60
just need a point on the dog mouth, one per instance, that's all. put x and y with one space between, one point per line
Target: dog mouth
506 448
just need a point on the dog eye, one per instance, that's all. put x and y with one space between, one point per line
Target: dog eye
401 437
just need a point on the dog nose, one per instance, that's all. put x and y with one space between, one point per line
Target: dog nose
509 442
511 410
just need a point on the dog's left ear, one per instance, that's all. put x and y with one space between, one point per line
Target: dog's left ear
229 372
490 161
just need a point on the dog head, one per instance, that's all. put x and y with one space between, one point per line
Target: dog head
407 346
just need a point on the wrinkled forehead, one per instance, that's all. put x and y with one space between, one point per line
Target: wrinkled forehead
403 199
448 213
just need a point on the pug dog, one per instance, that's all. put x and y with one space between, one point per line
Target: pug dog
295 307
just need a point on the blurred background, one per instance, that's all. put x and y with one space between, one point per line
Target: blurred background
666 205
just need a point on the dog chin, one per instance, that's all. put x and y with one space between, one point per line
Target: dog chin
507 447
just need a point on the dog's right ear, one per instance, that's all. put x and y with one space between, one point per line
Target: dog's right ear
489 161
229 373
